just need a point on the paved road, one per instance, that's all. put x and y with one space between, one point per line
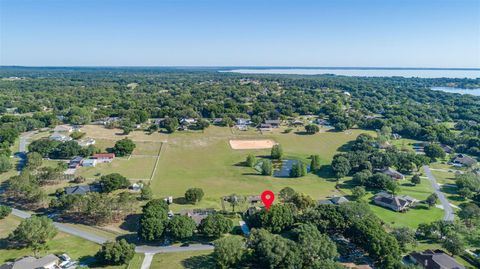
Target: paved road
167 249
449 216
22 149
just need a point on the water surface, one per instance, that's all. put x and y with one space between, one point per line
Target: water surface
366 72
475 92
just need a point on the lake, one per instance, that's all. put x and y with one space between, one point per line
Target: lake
475 92
366 72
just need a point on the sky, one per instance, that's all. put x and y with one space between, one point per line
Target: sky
326 33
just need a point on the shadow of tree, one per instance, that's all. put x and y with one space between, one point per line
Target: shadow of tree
198 262
180 201
131 222
325 171
346 147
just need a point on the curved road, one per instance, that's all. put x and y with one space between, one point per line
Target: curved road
90 236
449 216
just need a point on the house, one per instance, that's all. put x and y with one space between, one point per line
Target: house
396 136
464 160
394 174
254 199
217 121
63 129
89 163
60 137
241 121
197 215
322 122
75 162
265 127
396 203
297 123
82 189
337 200
136 187
48 262
434 259
87 142
188 121
104 157
447 148
273 123
156 121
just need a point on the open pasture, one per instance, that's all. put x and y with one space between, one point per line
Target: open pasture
206 160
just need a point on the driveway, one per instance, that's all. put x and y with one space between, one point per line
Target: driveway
22 149
448 216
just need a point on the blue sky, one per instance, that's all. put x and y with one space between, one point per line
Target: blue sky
380 33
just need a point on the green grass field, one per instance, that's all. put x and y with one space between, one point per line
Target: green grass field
414 216
180 260
206 160
136 262
136 167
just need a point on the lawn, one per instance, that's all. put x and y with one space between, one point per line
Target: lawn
206 160
136 262
135 167
75 247
180 260
412 218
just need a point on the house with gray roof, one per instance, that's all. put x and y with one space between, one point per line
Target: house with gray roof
336 200
83 189
464 160
197 215
394 174
396 203
273 123
48 262
434 259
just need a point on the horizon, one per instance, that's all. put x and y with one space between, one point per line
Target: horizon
214 33
246 67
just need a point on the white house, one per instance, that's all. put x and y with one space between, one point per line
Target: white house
87 142
60 137
89 163
63 129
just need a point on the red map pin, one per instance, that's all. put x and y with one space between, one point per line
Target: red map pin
267 198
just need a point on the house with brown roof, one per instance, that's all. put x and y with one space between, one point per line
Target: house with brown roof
434 259
104 157
396 203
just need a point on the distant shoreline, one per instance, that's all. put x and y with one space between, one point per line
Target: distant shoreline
233 67
367 72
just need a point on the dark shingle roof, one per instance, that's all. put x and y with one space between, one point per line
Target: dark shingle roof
436 260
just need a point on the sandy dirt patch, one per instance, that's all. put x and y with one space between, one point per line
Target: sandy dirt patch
252 144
